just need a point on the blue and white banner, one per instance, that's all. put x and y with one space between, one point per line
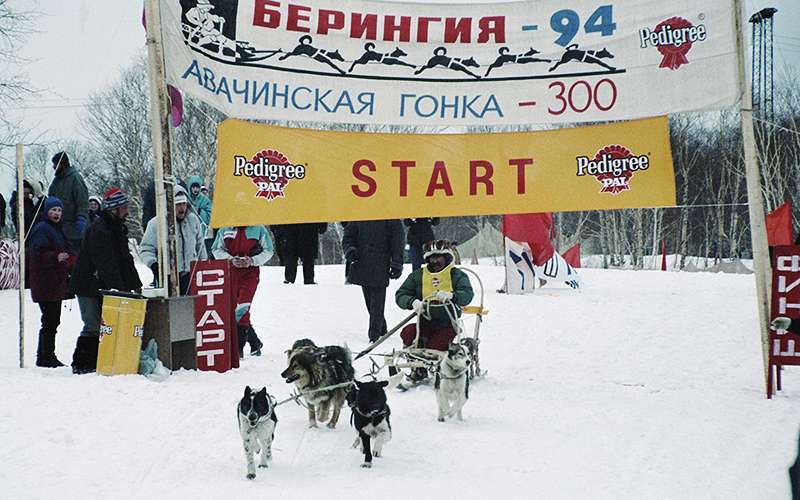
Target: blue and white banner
524 62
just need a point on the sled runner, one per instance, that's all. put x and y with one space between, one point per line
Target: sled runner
410 361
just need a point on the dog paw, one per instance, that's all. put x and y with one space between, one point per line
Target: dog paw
366 465
376 454
312 425
440 419
331 426
251 476
262 466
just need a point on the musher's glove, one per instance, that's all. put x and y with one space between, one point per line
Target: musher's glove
443 296
417 305
780 323
395 272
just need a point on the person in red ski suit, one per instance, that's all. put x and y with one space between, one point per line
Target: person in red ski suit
247 248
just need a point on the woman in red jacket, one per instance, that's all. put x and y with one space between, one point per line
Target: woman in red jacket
51 260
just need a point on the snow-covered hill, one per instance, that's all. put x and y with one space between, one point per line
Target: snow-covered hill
643 385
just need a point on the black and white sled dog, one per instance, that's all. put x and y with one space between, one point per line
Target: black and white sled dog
257 421
451 382
370 417
312 368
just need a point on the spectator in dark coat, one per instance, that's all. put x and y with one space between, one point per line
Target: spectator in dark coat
51 259
375 252
69 187
299 241
104 263
30 207
2 212
420 231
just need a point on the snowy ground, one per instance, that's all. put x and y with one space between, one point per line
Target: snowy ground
644 385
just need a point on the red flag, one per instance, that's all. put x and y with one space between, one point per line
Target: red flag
533 229
175 106
779 225
573 256
663 254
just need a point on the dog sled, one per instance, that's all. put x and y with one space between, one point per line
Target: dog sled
408 362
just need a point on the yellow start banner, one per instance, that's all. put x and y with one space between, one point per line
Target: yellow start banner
275 175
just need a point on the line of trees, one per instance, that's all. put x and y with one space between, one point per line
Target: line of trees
711 219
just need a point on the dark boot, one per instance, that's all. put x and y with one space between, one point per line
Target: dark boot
46 353
254 341
51 318
84 359
241 334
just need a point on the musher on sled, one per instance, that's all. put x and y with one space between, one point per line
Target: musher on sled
437 292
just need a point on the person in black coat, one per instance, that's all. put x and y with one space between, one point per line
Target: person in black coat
299 241
420 231
375 252
104 263
2 212
30 207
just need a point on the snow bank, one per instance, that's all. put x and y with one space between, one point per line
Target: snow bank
643 385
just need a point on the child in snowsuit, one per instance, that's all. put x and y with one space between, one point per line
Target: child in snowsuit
247 248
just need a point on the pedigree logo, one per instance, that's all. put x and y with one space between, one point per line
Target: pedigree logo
613 166
673 38
270 171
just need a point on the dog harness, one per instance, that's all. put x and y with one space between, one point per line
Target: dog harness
436 282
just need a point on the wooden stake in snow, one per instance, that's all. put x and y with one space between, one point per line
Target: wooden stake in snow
758 229
159 126
21 251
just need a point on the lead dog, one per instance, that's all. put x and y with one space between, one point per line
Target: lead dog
257 421
451 382
312 368
370 417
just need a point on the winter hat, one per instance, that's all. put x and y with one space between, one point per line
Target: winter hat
114 198
51 202
180 197
60 158
97 200
437 247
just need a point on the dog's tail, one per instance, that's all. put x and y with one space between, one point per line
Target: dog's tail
574 46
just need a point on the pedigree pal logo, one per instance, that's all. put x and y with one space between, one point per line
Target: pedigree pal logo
613 166
270 171
673 38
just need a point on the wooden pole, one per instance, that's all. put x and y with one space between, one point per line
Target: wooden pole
755 198
21 250
159 126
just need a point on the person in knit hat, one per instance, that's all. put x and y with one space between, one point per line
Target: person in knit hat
189 241
104 263
95 204
51 259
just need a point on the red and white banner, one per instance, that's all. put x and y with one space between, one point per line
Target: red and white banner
784 346
217 348
415 63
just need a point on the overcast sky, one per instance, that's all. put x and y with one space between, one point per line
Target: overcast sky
81 46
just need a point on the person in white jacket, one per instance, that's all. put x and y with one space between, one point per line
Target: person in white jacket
189 237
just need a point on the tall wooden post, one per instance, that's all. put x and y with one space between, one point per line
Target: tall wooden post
159 125
755 198
21 251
